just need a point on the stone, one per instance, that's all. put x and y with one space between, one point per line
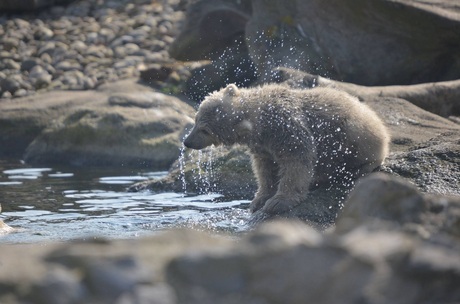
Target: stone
10 64
339 40
9 85
68 284
20 93
103 127
43 33
39 77
28 64
156 73
68 65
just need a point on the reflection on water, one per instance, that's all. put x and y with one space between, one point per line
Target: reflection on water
67 203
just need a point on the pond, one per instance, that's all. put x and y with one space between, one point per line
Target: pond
65 203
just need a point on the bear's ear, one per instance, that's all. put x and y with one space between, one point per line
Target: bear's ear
232 90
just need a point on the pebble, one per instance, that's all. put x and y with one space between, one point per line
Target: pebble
83 44
39 77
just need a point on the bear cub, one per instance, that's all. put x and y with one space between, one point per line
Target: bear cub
299 139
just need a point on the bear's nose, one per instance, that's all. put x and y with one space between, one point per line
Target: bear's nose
188 142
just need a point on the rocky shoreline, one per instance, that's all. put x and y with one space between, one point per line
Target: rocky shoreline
401 248
84 44
92 83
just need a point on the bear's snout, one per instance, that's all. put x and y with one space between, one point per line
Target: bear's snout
197 141
188 142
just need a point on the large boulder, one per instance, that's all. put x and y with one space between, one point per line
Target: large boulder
124 123
376 42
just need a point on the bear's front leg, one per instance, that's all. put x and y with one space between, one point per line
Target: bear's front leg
296 176
266 170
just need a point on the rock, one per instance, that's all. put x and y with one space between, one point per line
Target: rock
156 73
438 97
205 37
75 80
27 5
209 27
227 171
10 64
39 77
124 123
339 40
371 266
9 85
70 289
396 201
232 66
20 93
43 33
68 65
28 64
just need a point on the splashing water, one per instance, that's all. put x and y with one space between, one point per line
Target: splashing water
182 169
200 173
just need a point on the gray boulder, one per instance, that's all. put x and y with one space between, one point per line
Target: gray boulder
365 42
124 123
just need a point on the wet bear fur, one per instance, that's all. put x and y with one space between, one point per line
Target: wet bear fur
299 139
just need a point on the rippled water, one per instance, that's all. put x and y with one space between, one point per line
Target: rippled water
48 204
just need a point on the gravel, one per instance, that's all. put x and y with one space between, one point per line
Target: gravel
84 44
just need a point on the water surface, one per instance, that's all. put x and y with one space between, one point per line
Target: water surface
49 204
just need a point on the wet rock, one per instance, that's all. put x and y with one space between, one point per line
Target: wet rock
226 170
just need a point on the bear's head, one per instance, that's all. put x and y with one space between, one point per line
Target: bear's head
217 120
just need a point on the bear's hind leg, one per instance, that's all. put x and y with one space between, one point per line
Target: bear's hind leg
293 186
266 171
